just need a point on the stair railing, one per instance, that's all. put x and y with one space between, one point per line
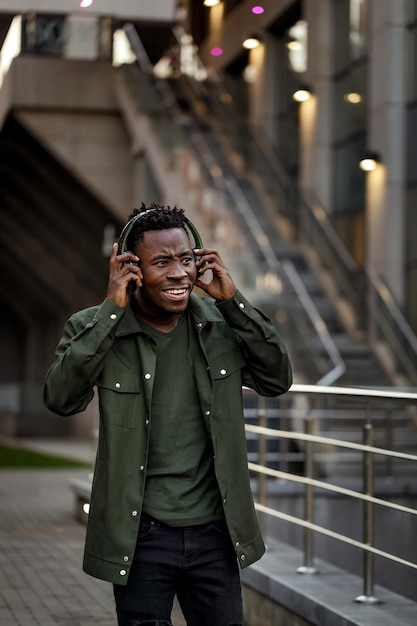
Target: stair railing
311 441
387 323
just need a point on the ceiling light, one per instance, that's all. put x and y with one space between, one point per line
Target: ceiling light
211 3
294 44
369 161
303 93
353 97
251 42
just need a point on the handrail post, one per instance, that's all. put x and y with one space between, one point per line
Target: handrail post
368 520
308 567
389 438
262 422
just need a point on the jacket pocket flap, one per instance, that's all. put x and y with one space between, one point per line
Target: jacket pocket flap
120 380
226 363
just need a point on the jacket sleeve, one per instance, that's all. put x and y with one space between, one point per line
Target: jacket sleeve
86 338
268 368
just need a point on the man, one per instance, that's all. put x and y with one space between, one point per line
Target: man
171 508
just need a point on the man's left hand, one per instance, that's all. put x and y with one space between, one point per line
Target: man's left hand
221 287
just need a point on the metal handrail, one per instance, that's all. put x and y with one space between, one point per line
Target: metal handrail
316 320
367 497
365 392
329 533
388 321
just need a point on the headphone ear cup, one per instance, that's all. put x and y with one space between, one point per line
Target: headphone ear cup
196 259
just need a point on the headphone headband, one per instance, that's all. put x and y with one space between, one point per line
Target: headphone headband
198 243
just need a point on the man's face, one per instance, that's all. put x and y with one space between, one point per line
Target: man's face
169 273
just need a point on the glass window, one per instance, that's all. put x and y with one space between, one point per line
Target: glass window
411 257
287 122
349 191
349 102
412 51
44 33
297 46
411 10
411 155
350 31
357 28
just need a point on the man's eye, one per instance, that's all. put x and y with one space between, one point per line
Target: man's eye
187 260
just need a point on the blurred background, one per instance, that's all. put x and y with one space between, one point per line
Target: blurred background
287 130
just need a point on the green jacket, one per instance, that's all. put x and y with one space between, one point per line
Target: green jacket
106 347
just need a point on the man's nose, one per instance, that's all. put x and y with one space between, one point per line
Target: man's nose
177 270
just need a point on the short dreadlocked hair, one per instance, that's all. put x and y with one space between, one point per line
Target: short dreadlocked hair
155 217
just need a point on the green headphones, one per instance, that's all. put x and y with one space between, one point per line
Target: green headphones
198 243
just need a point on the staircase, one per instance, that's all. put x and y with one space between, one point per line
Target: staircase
361 366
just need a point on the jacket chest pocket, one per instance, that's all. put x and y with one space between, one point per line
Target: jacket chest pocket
225 364
226 375
119 394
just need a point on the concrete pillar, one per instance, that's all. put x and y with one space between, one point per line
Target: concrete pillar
258 91
315 114
385 199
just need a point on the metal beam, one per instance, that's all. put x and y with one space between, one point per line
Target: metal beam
145 10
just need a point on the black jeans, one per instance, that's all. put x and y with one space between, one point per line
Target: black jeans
197 563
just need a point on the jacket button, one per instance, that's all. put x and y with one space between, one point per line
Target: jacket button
142 467
147 376
122 572
241 305
199 325
242 557
207 412
237 544
223 372
117 385
134 513
125 558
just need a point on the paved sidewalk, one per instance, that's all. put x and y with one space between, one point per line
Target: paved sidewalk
41 547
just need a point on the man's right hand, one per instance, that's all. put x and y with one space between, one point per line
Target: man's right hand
123 276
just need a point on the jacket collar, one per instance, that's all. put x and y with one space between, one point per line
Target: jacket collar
200 308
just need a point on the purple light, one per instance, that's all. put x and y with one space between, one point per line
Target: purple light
216 52
258 10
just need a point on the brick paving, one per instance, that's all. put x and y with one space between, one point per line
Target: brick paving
41 548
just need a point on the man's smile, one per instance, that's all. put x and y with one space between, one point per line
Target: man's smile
176 293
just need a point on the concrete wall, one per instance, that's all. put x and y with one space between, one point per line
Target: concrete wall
71 107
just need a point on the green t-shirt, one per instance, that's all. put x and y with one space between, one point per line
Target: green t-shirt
181 488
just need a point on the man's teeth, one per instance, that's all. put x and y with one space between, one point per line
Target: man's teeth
175 291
